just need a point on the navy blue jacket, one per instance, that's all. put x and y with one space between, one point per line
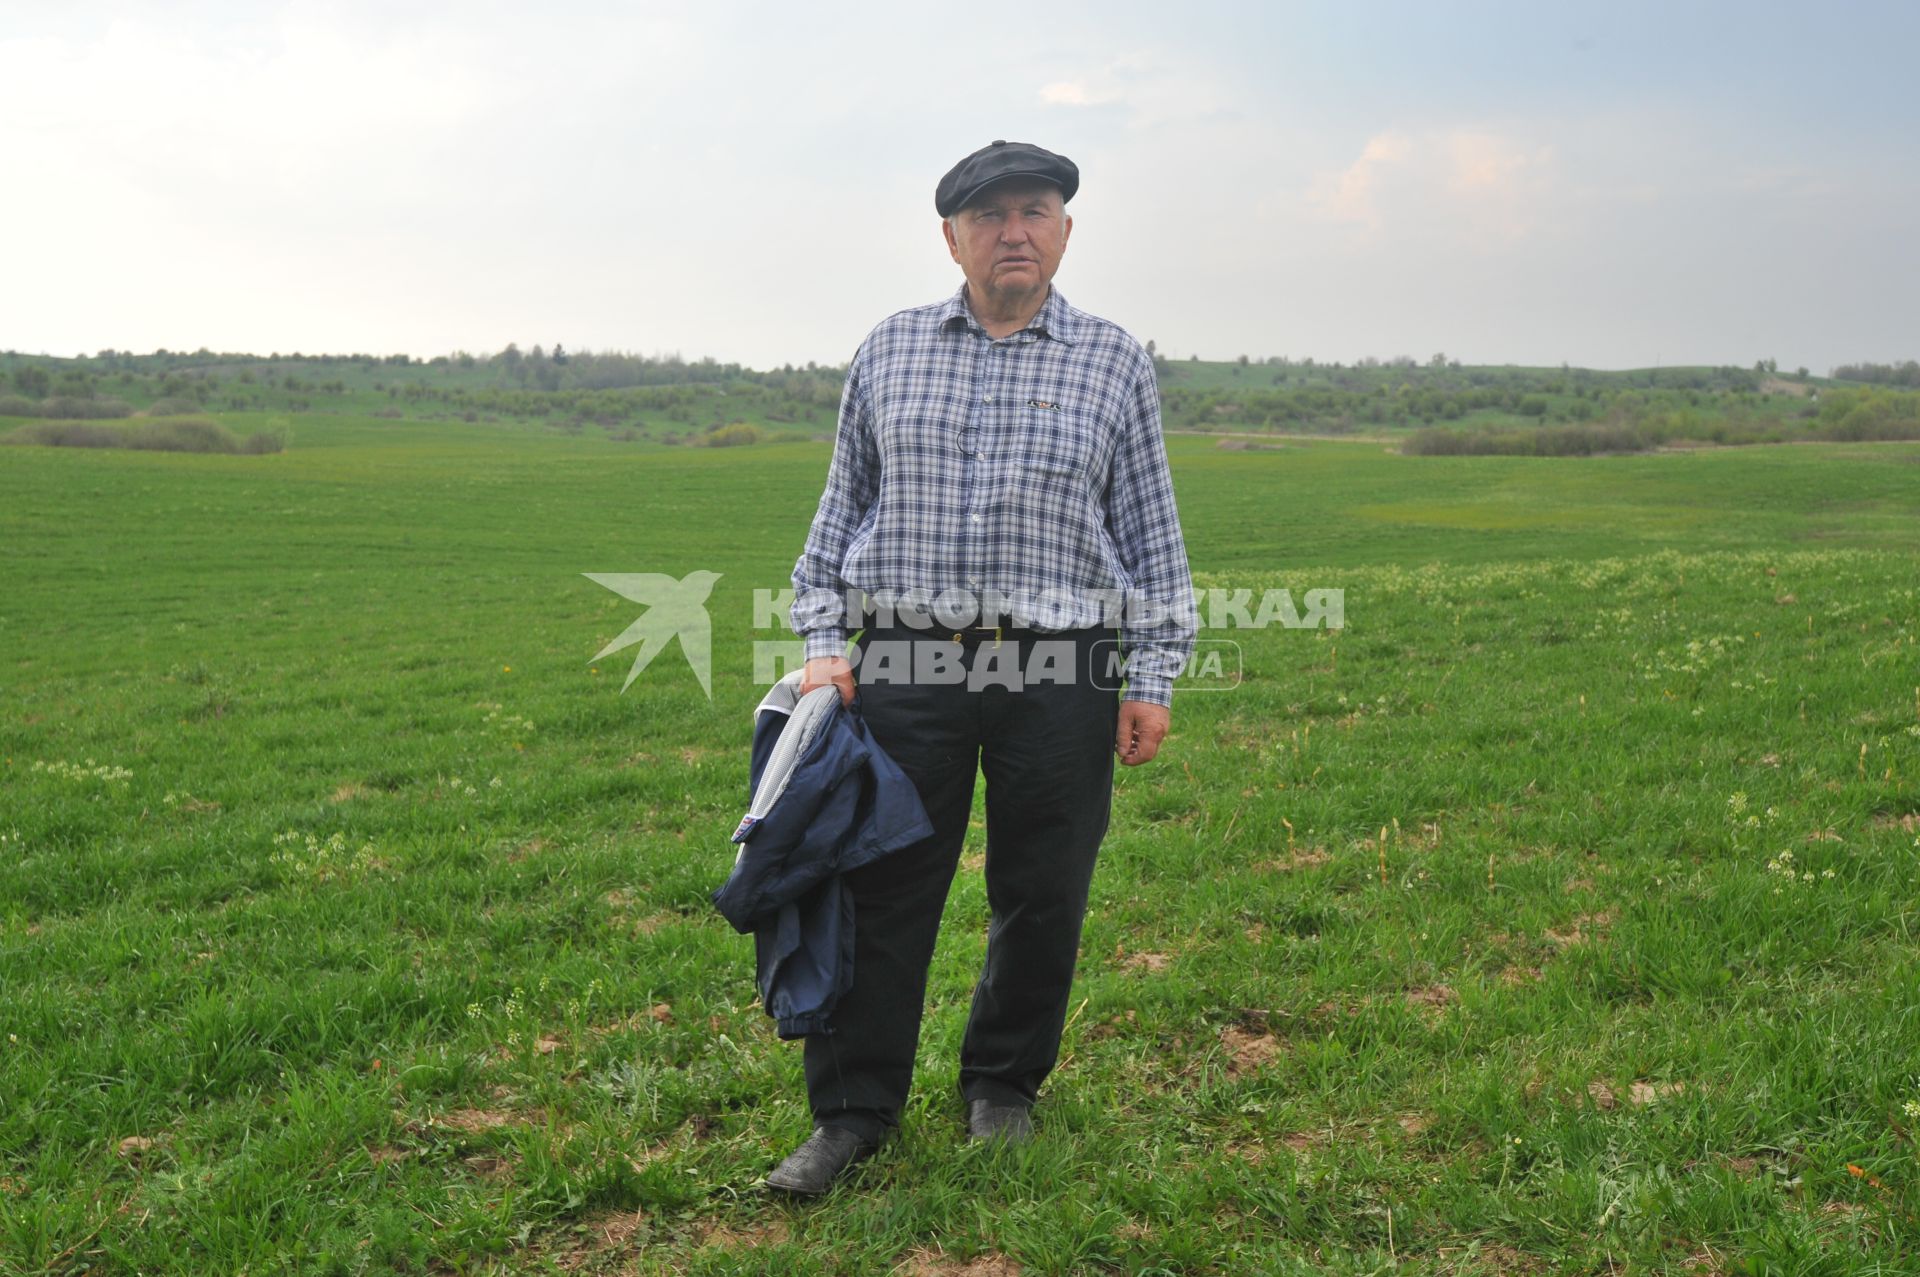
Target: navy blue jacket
845 805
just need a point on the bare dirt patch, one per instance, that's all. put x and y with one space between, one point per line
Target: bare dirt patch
1297 859
727 1237
465 1121
1146 962
1432 1000
602 1235
1643 1092
1584 929
933 1263
1909 821
348 792
1493 1259
1248 1049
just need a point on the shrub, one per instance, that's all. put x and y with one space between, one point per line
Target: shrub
18 406
173 434
735 435
73 408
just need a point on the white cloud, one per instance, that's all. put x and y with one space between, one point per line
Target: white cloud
1402 179
1075 93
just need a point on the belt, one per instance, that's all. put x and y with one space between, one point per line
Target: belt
973 635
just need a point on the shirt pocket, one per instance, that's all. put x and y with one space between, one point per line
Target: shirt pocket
1053 443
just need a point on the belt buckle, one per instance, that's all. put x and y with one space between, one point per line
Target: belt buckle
960 636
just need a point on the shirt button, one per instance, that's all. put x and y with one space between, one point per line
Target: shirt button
974 517
979 456
988 399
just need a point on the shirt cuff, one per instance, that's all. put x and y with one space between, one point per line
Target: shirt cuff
828 640
1154 691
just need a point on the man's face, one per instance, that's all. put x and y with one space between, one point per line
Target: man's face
1009 241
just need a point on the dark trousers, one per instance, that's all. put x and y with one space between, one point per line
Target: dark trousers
1046 751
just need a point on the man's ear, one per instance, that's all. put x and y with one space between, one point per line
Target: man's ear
953 245
1066 232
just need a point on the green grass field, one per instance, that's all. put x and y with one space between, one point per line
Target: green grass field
1555 916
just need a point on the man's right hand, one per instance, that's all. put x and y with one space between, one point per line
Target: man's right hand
822 670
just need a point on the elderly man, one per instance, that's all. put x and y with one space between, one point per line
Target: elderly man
997 503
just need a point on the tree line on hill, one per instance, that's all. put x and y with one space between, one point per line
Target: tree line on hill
671 399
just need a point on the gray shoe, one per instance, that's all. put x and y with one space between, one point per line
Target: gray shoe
811 1169
1009 1123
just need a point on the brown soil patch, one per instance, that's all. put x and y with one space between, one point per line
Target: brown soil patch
387 1153
134 1146
1823 835
488 1166
1577 885
1587 927
1644 1092
771 1233
933 1263
1495 1259
598 1236
1146 962
347 792
1301 858
1909 821
1602 1095
1110 1027
1432 1000
1517 974
1413 1123
1255 1152
468 1121
974 862
1247 1050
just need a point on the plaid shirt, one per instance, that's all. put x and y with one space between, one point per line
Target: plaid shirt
1032 466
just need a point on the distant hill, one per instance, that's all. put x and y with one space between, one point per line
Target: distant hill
666 399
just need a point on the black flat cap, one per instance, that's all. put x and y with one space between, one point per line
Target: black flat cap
999 160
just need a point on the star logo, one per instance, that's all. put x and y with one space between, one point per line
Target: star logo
673 608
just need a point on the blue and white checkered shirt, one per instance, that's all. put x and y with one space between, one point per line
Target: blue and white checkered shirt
1027 468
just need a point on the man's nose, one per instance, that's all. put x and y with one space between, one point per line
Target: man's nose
1013 230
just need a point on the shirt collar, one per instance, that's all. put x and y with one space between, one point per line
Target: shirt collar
1055 317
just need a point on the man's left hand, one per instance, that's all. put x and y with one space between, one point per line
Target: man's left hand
1143 725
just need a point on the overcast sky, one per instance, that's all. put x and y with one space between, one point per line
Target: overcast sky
1612 185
